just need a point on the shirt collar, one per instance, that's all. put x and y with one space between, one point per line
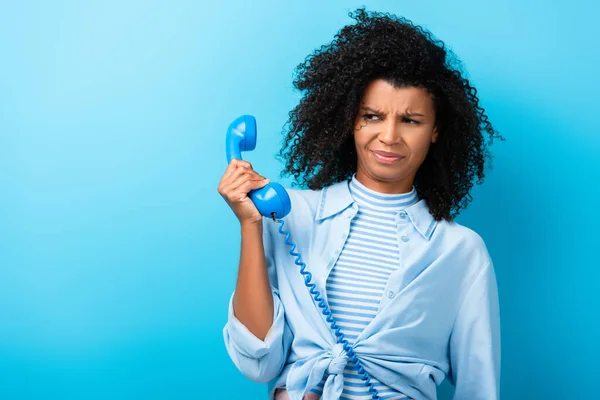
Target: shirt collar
337 197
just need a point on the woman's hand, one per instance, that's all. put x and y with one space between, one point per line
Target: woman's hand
237 181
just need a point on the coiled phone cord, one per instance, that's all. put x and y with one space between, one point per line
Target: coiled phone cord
326 311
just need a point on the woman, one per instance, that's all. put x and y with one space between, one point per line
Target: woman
388 138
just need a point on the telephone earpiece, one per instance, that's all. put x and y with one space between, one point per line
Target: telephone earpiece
272 200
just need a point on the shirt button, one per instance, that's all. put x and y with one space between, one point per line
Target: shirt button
403 214
404 238
391 294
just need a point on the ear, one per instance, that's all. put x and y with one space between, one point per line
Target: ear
434 137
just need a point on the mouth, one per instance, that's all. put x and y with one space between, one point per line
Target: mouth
386 157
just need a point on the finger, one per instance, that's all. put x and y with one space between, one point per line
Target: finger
233 166
242 191
248 177
237 178
226 183
241 164
240 172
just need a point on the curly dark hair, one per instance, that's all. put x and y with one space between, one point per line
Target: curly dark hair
318 148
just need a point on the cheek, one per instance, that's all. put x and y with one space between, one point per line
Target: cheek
420 148
361 138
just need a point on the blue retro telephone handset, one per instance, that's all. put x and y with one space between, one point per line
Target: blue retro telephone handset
273 201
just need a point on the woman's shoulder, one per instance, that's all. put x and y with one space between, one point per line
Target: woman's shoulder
464 238
305 203
306 206
462 232
312 198
304 196
301 218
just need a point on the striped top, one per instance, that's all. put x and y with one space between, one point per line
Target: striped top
370 253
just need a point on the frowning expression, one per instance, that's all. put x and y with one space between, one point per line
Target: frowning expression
394 129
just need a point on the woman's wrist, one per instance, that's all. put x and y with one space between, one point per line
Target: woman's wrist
251 226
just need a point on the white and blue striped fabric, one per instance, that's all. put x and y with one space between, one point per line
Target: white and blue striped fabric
357 281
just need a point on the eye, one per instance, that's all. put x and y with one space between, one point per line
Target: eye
410 121
370 117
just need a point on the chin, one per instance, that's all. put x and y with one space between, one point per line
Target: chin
387 176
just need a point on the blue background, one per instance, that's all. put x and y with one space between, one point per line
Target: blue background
118 256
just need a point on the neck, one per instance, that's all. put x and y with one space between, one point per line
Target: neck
381 186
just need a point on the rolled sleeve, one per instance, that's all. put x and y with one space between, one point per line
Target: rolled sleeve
475 341
259 360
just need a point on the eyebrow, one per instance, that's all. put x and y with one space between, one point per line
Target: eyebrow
379 112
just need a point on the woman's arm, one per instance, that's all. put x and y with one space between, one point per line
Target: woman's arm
257 344
256 334
253 298
475 341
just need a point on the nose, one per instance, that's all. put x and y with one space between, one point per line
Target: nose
390 134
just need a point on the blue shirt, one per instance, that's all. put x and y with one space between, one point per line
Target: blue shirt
439 316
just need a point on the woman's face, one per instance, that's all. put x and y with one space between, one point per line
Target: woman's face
393 130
